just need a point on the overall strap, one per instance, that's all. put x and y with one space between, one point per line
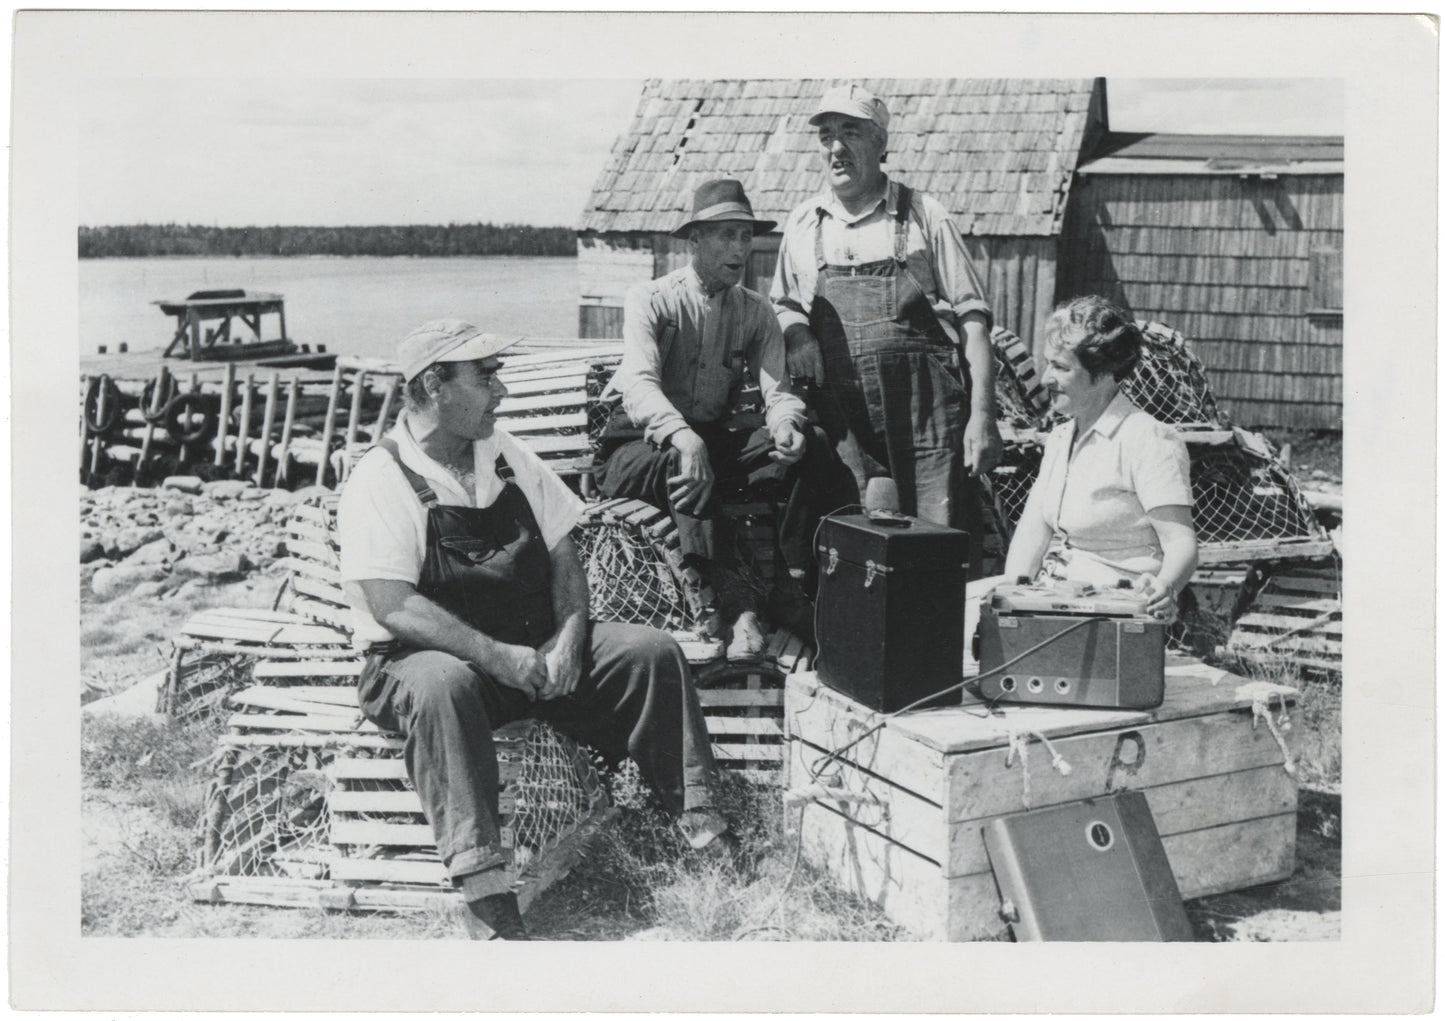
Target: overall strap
504 470
818 243
419 485
900 229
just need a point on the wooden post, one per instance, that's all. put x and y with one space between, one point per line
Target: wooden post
329 428
353 423
228 383
244 433
162 382
99 439
84 389
195 321
267 423
283 462
380 430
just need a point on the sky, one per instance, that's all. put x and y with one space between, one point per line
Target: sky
242 151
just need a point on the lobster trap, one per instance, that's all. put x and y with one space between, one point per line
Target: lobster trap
311 806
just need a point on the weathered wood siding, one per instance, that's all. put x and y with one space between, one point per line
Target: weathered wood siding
1247 268
1019 275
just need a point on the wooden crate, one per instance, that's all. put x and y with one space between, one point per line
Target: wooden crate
898 817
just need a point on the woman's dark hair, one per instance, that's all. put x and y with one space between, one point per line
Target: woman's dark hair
1101 334
415 395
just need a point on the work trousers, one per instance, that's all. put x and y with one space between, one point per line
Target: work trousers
635 699
814 486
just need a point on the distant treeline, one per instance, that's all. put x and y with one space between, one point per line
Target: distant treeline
452 239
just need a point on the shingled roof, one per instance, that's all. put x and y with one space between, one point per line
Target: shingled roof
998 153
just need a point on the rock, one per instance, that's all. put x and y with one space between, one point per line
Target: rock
222 566
149 589
109 582
157 552
128 540
225 489
179 509
312 492
281 498
251 493
184 483
189 589
90 549
87 572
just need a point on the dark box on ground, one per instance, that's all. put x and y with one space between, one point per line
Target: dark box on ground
1092 870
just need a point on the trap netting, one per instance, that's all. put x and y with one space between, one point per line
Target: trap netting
634 569
1169 381
198 682
1241 493
338 805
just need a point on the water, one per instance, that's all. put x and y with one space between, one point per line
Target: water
355 306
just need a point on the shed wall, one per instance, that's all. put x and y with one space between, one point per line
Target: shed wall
1018 273
1247 268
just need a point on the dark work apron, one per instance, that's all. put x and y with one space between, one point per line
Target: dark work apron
488 566
895 400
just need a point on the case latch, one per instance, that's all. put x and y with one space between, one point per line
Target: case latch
872 570
832 560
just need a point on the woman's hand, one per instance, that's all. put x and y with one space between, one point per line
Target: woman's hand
1163 600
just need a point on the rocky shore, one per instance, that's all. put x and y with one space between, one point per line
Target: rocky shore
150 557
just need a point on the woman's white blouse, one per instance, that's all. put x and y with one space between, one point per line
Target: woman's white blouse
1095 492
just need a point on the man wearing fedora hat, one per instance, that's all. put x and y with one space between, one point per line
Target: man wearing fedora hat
882 307
689 338
470 604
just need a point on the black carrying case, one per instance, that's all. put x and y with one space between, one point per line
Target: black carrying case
890 609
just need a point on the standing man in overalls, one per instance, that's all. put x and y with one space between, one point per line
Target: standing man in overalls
883 310
470 604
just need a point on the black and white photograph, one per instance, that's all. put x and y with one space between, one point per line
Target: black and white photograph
579 479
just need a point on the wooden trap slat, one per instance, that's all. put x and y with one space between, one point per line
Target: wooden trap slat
732 726
330 668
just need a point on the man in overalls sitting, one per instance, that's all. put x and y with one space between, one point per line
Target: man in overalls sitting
471 604
883 310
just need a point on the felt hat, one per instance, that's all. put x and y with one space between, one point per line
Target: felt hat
716 201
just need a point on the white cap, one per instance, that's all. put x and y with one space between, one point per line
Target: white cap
853 101
447 340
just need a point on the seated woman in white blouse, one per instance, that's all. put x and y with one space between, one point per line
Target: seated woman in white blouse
1112 500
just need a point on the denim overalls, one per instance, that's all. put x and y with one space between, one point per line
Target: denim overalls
893 402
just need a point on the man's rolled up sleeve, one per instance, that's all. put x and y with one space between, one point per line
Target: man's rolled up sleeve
959 282
378 536
792 297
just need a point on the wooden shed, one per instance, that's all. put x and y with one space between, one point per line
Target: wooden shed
1233 240
1000 154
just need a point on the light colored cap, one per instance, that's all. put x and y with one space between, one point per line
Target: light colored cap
447 340
853 101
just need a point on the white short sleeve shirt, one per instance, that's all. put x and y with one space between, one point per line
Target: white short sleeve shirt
1095 491
381 525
